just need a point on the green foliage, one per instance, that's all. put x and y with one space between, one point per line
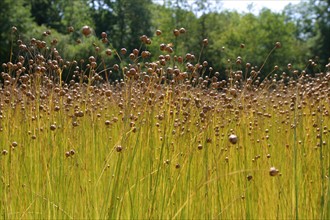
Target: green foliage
312 21
303 30
59 14
13 14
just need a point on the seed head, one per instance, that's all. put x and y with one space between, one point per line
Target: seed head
52 127
182 30
72 152
4 152
123 51
86 30
273 171
119 148
70 29
108 52
158 32
205 42
176 32
278 45
104 35
233 139
14 29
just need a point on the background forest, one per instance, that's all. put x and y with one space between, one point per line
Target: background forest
302 29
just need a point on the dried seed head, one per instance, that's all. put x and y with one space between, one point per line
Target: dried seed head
14 144
108 52
278 45
182 30
4 152
72 152
119 148
273 171
70 29
176 32
200 147
86 30
177 166
249 177
233 139
67 154
205 42
52 127
158 32
123 51
104 35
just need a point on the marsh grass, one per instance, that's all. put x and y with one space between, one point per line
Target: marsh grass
156 144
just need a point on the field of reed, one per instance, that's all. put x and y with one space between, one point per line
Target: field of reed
171 139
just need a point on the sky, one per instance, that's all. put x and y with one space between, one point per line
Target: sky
242 5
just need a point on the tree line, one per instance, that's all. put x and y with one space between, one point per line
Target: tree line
234 39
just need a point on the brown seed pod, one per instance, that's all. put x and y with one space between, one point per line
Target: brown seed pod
119 148
205 42
233 139
104 35
249 177
182 30
52 127
278 45
72 152
176 32
108 52
145 54
132 56
70 29
123 51
86 30
4 152
273 171
158 32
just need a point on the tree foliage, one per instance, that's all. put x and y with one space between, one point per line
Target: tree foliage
312 19
303 30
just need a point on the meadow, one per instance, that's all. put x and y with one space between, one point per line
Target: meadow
171 140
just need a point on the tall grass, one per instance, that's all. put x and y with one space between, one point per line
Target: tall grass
157 145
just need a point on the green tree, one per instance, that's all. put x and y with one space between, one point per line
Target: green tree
13 14
313 27
251 38
132 19
48 13
59 14
123 20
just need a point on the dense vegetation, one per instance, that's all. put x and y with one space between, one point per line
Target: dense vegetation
103 117
303 30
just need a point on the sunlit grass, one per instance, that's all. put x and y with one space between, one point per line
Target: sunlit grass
150 148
